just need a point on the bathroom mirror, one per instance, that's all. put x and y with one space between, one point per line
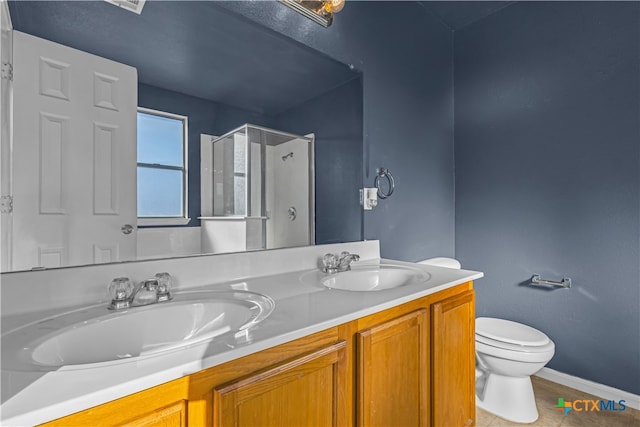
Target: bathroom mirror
221 71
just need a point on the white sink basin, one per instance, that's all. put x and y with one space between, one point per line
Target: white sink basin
111 337
375 278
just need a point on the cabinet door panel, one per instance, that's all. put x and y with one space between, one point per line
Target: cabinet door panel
392 381
453 359
305 391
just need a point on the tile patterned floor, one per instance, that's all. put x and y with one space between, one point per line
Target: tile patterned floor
547 394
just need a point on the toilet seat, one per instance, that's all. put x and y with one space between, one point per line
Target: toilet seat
508 332
480 340
512 336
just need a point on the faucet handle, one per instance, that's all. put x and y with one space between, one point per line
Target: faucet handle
165 282
330 260
331 263
120 290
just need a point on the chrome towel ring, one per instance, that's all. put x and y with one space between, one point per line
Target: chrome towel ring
384 173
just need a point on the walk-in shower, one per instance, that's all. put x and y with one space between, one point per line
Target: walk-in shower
260 191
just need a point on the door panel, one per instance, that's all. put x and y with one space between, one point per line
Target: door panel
74 156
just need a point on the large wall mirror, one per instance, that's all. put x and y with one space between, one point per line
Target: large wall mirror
193 72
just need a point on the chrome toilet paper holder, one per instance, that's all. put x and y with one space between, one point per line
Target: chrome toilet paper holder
564 283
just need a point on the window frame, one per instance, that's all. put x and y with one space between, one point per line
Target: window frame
150 221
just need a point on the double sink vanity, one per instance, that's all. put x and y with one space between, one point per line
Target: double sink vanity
259 338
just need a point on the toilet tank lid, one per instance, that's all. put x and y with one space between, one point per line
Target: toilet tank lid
510 332
442 262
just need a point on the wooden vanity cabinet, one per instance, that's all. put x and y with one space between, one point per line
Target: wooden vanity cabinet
410 365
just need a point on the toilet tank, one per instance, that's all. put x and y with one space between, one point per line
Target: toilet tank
442 262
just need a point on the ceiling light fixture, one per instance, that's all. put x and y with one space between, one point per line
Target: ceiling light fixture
320 11
130 5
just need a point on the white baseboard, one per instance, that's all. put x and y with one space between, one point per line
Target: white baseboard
600 390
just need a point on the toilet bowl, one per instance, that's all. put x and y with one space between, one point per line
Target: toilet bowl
507 354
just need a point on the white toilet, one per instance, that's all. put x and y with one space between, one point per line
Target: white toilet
507 354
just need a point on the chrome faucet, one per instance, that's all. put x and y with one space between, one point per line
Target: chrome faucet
151 291
336 263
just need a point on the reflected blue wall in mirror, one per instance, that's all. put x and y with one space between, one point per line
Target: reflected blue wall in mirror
336 120
334 117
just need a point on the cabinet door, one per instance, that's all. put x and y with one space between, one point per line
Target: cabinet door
453 361
392 379
305 391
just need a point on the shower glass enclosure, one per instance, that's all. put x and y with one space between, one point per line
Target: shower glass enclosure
262 191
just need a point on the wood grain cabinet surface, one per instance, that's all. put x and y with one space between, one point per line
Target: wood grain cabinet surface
453 361
307 390
173 415
410 365
392 379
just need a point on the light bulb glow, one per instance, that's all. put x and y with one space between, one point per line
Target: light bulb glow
333 6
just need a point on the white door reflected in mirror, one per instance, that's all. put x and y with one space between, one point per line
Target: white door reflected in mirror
74 157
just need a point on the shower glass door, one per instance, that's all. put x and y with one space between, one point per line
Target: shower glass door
266 177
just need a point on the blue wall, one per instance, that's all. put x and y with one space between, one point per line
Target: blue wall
204 117
406 57
547 176
336 120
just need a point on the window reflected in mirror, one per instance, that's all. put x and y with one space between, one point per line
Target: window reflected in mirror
162 171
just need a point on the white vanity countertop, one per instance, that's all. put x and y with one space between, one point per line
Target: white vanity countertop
303 306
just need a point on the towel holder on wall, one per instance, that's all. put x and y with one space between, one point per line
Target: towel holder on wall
565 283
384 173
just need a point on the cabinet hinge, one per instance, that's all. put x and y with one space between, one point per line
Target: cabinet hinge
7 71
6 204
